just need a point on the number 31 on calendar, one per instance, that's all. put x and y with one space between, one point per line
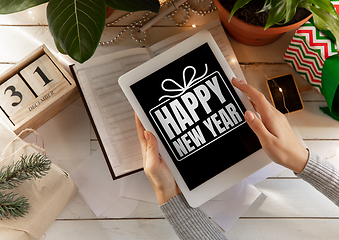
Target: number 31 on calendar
31 88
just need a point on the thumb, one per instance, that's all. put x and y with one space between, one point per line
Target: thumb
152 152
257 126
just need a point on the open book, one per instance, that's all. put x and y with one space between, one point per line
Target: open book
110 112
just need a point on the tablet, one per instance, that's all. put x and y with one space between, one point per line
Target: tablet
185 98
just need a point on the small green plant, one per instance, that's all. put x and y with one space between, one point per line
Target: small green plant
28 167
77 25
282 11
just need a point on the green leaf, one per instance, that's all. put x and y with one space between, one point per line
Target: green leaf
77 26
134 5
12 6
266 6
324 20
325 5
59 47
291 9
238 4
277 13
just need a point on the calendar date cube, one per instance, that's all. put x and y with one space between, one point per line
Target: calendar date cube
34 90
14 95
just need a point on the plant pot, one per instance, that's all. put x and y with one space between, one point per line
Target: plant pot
109 11
249 34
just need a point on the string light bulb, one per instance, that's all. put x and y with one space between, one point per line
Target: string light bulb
281 91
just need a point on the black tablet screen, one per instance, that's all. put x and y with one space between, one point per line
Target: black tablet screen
197 114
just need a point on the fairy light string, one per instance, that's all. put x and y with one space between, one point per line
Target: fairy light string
280 90
186 9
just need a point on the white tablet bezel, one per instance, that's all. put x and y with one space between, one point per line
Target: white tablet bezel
228 177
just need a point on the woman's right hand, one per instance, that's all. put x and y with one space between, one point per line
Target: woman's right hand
155 167
273 130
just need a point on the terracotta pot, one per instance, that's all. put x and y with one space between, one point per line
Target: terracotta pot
109 11
249 34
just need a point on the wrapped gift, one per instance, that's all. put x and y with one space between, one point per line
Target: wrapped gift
313 54
307 52
47 196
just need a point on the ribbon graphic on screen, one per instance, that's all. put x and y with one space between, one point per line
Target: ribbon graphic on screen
186 84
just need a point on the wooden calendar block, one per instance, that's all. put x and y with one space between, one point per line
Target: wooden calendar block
42 75
14 95
34 90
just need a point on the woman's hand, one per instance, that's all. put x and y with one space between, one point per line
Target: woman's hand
273 130
154 166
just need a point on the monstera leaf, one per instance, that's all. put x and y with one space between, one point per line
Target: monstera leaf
77 25
12 6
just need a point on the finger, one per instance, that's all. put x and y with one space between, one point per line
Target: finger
141 136
152 152
257 97
258 127
254 106
260 102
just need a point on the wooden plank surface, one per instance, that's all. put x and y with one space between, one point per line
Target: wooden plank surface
288 208
282 229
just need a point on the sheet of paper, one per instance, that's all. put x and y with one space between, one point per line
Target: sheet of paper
138 186
95 183
66 135
122 208
110 109
226 208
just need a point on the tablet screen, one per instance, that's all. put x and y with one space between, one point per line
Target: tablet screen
198 116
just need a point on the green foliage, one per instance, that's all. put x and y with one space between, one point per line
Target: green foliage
324 20
12 6
282 11
11 206
28 167
238 4
77 25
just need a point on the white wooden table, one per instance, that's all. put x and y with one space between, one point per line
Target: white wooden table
288 208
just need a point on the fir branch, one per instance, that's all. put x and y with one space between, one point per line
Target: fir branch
27 168
9 206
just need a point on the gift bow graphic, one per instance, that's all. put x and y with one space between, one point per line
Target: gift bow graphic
186 84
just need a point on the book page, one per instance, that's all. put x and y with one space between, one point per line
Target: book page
219 35
112 114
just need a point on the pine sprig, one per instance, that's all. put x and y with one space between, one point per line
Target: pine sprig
29 167
11 206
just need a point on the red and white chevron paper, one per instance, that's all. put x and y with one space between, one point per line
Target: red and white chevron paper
308 50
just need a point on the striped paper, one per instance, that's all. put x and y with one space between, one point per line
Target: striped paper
308 50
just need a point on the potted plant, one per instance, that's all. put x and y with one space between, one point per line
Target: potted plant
278 12
77 25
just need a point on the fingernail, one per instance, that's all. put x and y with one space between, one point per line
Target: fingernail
146 135
238 81
249 116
